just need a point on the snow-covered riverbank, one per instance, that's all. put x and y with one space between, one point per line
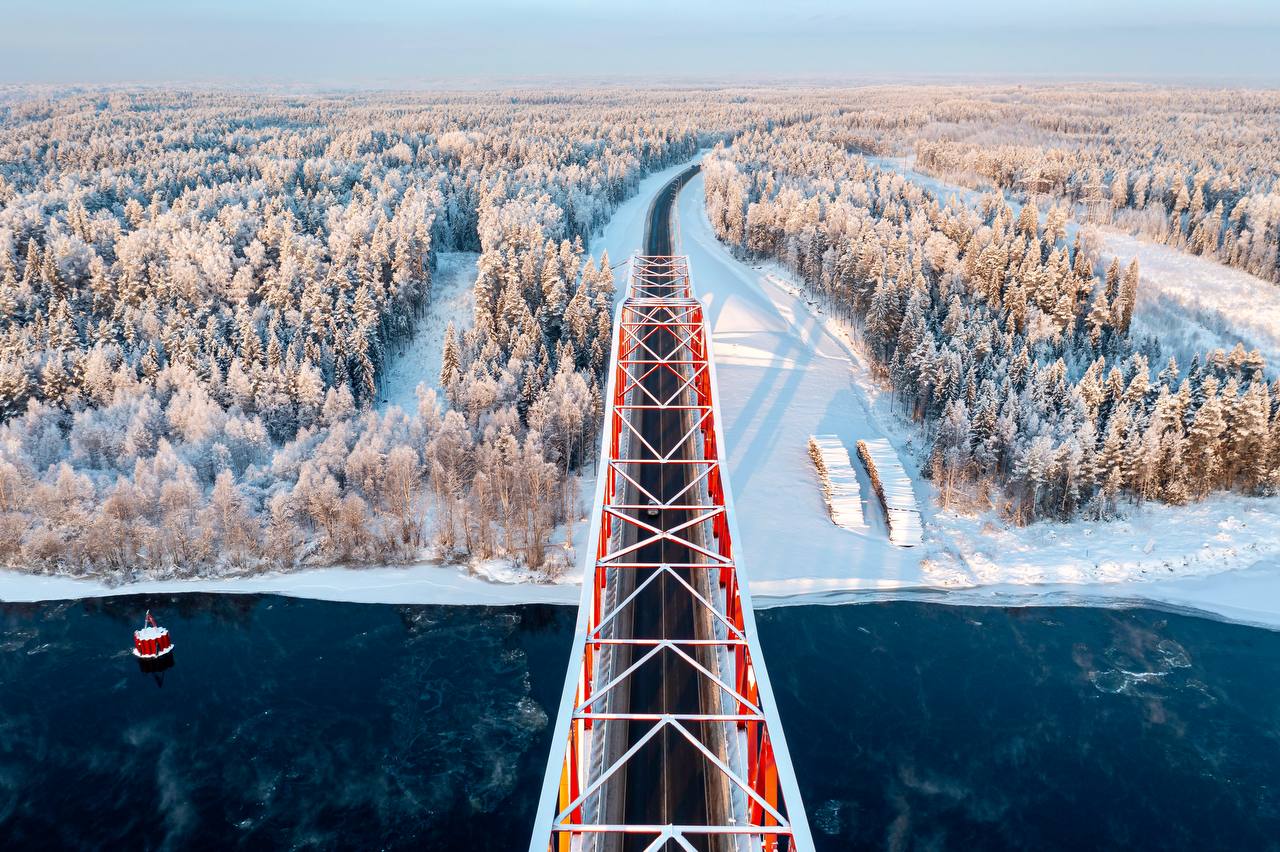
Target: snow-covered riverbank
1245 595
426 583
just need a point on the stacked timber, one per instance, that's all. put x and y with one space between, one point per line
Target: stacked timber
839 481
893 487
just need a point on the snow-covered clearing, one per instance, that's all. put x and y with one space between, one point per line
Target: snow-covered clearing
1193 303
787 371
418 361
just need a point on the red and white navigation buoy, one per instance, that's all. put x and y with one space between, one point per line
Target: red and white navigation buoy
152 641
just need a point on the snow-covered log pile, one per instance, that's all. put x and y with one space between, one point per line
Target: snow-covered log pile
893 487
839 481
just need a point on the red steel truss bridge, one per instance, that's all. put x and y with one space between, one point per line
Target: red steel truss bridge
667 736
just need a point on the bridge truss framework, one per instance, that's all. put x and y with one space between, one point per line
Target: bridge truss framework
661 326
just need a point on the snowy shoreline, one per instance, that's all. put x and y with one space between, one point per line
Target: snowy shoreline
767 334
1221 603
412 584
1233 600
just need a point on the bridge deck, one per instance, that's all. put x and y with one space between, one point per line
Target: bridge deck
666 737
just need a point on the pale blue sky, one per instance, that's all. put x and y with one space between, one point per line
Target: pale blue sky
396 42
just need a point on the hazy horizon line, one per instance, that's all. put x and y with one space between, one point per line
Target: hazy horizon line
503 83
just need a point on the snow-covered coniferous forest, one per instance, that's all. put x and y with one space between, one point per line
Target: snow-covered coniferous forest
202 293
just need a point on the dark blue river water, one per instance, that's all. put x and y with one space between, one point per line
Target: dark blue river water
919 726
291 724
285 724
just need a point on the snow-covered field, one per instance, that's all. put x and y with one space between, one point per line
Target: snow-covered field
1194 303
785 372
